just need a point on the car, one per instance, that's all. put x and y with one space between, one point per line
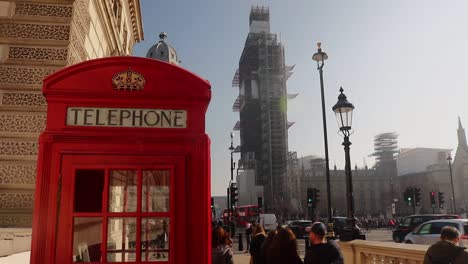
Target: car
298 227
429 233
409 223
339 222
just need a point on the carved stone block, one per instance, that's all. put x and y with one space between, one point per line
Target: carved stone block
18 173
33 9
34 31
22 123
23 75
32 53
18 147
23 99
16 200
15 220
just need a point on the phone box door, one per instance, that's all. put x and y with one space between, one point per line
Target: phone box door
121 209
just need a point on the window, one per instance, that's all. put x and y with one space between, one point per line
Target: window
418 220
425 229
136 218
406 222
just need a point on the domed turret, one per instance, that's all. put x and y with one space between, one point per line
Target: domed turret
163 51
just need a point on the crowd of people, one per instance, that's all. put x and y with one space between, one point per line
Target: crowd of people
279 246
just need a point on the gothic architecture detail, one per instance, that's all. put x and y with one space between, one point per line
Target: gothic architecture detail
37 38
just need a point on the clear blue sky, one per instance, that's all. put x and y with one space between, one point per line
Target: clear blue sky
403 64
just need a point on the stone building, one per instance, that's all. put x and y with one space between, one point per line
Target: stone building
460 171
368 189
37 38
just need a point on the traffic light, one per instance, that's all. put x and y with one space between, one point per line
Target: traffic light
310 197
441 199
408 196
316 196
233 190
433 198
417 196
260 203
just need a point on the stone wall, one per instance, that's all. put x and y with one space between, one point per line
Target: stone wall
38 38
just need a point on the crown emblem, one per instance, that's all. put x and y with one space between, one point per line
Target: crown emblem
128 80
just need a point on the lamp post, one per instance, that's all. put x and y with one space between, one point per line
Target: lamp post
344 115
320 58
454 208
230 208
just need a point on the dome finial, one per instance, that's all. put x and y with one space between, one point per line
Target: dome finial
162 36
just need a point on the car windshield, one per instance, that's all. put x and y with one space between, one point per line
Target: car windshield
465 227
406 222
304 223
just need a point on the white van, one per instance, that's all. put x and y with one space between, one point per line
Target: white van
268 221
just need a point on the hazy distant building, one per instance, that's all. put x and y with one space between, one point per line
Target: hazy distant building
262 105
460 170
415 160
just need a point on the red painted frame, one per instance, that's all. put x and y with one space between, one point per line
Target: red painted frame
63 149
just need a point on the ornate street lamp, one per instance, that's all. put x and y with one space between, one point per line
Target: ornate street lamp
344 116
454 208
320 58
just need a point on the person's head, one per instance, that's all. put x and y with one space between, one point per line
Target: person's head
283 247
450 233
219 237
257 230
317 232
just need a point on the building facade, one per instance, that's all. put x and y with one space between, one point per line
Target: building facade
37 38
262 106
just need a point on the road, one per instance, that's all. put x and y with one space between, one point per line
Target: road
241 257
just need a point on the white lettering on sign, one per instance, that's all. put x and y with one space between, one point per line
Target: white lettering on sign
126 117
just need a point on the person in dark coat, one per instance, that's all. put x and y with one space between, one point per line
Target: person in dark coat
321 252
258 237
283 248
248 234
221 252
267 244
446 251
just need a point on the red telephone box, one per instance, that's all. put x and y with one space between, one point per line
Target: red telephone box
123 168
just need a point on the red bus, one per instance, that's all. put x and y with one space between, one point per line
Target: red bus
244 214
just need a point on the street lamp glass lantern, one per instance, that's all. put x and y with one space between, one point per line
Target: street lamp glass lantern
319 56
343 112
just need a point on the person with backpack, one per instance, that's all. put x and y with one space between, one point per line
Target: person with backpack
447 251
321 252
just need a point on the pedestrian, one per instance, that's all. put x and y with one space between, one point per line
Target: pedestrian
320 251
447 251
248 234
221 252
258 237
283 248
267 244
